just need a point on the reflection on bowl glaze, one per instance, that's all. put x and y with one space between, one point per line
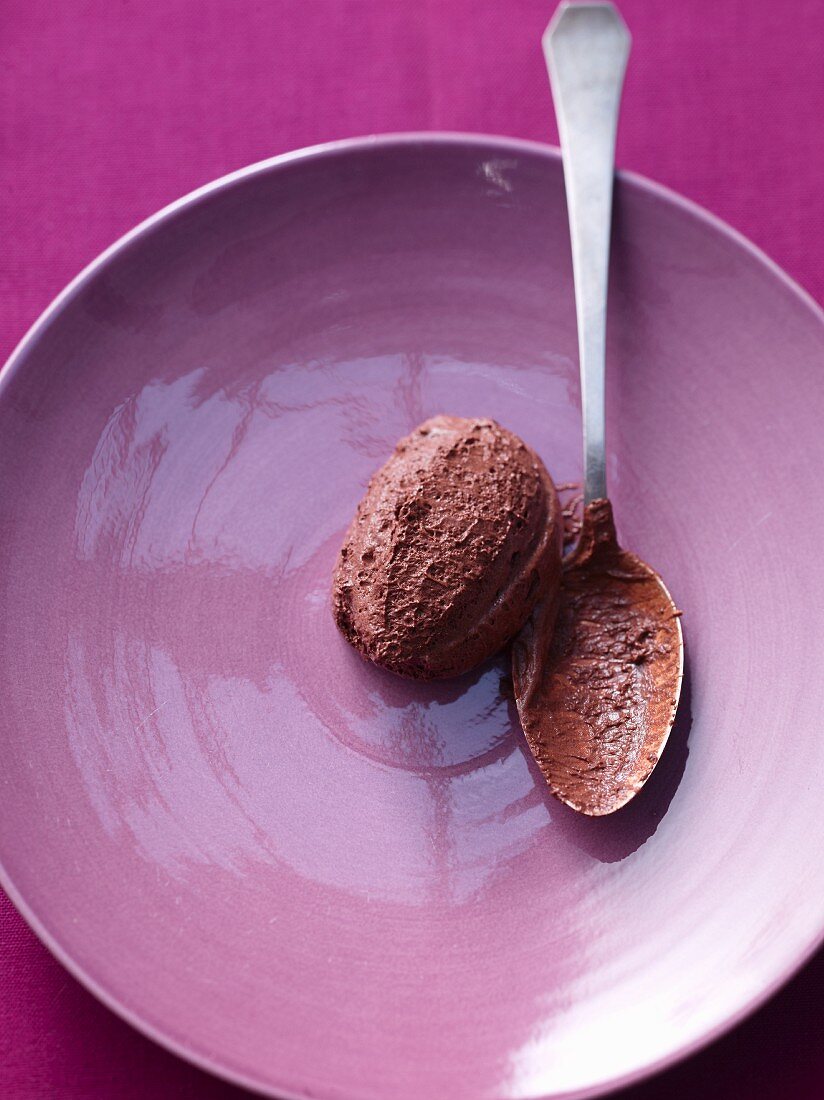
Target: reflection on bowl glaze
225 680
221 673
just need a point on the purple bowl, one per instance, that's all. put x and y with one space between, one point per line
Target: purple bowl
293 869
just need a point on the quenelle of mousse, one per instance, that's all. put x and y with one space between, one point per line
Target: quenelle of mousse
456 541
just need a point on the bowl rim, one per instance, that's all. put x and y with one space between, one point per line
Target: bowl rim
327 150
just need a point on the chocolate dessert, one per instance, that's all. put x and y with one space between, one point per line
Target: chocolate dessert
456 540
597 678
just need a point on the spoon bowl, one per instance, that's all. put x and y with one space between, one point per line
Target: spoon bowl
598 723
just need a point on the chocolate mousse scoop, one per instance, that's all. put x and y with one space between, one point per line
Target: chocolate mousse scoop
597 684
456 540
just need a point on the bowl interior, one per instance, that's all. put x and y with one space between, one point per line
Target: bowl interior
296 869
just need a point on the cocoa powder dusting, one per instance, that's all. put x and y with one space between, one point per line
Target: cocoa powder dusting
457 538
595 694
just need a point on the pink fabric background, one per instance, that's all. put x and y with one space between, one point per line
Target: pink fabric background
112 108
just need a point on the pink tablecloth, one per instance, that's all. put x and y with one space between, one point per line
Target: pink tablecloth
111 108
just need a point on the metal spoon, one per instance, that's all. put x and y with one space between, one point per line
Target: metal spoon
597 676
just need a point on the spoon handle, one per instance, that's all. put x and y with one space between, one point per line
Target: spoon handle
586 47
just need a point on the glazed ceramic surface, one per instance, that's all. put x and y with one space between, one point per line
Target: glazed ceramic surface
293 868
